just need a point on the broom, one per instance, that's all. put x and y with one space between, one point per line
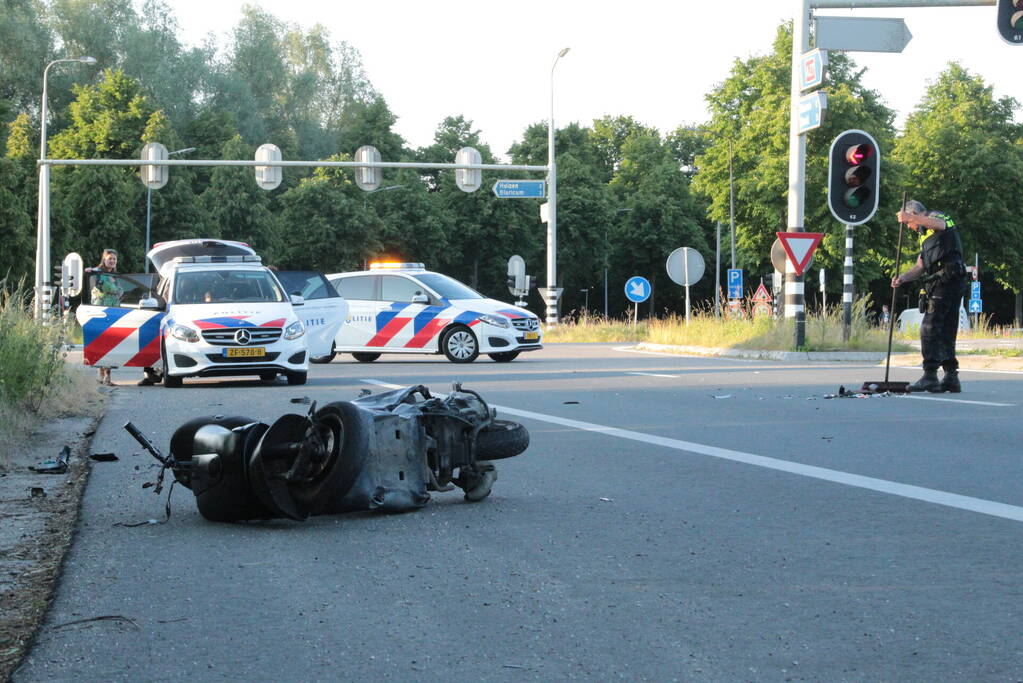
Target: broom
886 386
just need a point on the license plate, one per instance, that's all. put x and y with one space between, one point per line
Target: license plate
245 352
532 336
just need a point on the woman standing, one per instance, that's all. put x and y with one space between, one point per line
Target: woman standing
106 291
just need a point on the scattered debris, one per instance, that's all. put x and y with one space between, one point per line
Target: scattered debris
304 400
103 457
58 466
109 617
571 403
37 492
724 396
607 500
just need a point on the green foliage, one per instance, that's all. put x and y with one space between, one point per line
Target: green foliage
236 208
749 129
31 353
962 154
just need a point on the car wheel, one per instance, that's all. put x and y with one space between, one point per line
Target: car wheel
325 359
169 380
296 378
502 439
459 344
506 357
365 357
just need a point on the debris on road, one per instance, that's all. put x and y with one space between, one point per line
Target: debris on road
58 466
103 457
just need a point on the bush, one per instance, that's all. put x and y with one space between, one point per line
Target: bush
31 353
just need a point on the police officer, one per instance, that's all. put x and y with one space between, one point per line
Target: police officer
941 266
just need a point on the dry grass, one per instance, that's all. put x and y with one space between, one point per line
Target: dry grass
823 331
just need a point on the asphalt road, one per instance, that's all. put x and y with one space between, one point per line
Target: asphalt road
673 519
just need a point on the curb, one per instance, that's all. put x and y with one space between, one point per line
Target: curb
845 356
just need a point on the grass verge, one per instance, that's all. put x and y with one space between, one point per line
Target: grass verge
35 383
824 331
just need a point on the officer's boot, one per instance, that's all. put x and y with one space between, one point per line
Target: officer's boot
929 382
950 382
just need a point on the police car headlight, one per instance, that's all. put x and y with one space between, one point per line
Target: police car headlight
294 330
184 333
496 320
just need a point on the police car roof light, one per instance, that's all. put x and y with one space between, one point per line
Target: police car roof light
391 265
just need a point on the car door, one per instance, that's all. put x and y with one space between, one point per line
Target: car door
396 318
360 325
324 311
125 334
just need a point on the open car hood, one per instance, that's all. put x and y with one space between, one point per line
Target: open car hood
165 252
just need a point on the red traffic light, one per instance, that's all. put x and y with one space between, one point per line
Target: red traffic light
858 154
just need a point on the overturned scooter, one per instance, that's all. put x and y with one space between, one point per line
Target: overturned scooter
379 452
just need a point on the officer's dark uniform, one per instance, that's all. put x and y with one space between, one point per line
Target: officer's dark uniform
944 276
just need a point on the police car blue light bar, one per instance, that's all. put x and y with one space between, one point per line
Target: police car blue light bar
391 265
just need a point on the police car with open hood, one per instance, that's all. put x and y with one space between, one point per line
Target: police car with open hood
404 308
217 311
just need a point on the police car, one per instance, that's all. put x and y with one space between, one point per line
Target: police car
217 311
404 308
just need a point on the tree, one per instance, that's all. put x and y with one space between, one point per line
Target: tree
750 112
328 227
963 154
238 209
25 49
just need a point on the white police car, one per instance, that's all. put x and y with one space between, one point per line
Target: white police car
403 308
218 311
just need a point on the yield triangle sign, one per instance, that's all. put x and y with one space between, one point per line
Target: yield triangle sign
799 247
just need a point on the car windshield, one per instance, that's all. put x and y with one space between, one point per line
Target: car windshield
226 287
447 287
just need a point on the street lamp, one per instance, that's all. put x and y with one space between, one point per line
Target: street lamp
149 207
43 283
552 210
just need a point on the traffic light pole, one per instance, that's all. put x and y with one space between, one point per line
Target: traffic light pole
847 285
794 299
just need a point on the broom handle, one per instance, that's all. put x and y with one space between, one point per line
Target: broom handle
891 310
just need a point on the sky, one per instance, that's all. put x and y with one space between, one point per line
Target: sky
651 59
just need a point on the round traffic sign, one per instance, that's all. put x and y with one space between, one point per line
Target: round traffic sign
637 289
685 266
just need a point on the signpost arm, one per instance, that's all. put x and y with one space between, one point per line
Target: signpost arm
797 171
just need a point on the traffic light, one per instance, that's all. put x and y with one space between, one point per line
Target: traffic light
60 277
1010 21
854 175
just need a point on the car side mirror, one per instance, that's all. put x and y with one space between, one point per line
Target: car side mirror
150 304
297 300
420 298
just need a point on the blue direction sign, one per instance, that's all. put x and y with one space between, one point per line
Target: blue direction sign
519 189
735 283
811 110
637 289
976 306
974 290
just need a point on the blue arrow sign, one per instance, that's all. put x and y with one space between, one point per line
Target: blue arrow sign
974 290
811 110
637 289
976 306
519 189
735 283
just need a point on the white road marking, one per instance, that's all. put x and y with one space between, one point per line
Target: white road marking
994 372
960 400
945 498
633 349
651 374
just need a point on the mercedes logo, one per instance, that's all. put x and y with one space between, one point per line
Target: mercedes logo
243 337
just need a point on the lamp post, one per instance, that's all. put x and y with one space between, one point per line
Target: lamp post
43 284
552 210
149 207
